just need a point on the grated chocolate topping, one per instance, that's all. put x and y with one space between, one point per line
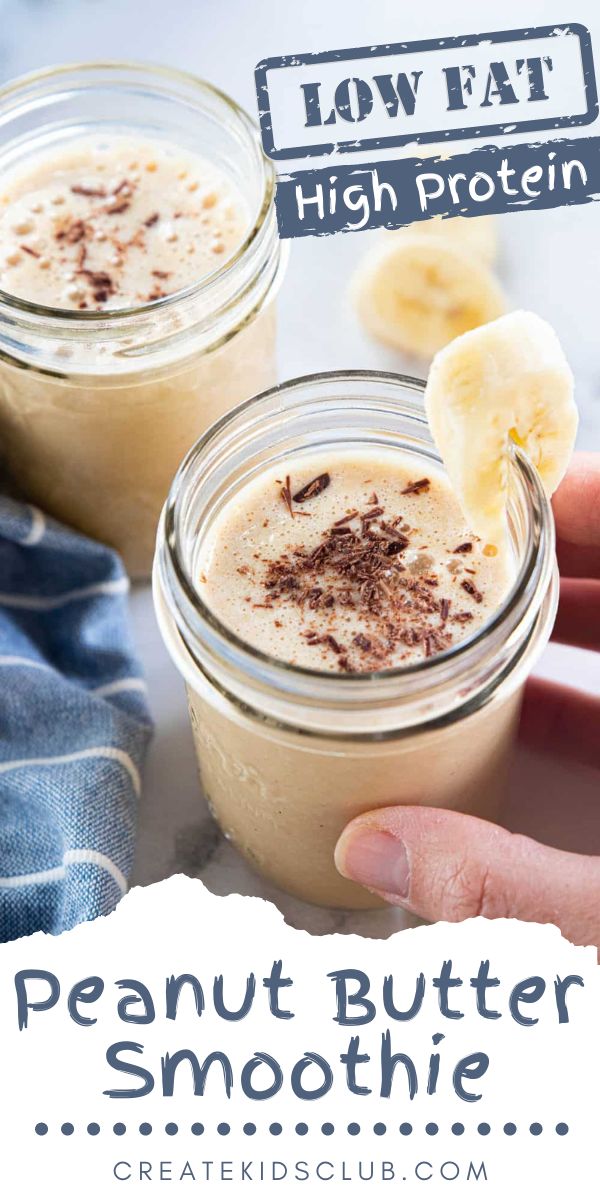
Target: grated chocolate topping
359 566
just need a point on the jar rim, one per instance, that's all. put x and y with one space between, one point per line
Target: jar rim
86 320
171 573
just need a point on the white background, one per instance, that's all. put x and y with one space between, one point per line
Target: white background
550 262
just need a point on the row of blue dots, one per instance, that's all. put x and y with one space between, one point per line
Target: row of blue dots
327 1129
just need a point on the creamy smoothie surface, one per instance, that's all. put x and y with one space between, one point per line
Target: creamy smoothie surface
115 222
350 562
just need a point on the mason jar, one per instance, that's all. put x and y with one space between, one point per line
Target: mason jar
288 755
97 409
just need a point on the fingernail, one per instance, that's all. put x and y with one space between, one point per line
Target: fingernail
374 859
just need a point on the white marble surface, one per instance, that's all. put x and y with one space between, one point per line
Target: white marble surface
550 262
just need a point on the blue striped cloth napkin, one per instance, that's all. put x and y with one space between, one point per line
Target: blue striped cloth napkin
74 726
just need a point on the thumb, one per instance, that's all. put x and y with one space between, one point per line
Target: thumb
446 866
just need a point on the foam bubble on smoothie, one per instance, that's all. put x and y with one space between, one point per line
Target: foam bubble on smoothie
115 222
350 563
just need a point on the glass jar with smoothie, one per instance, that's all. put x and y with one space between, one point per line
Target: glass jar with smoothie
139 261
346 641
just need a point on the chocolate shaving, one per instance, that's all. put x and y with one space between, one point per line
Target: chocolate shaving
469 587
420 485
363 642
150 221
396 547
101 283
98 279
464 548
343 520
444 610
136 240
71 233
80 190
161 274
390 529
118 207
314 488
30 250
324 639
286 495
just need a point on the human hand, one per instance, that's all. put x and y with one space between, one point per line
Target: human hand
445 866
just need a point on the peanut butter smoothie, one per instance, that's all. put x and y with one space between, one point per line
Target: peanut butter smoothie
350 565
136 280
348 638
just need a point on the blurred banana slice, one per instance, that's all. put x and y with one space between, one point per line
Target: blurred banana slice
475 235
418 292
508 380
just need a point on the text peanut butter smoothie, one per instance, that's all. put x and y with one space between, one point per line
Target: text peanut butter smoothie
138 270
347 638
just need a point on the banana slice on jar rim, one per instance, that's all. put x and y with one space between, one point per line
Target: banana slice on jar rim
508 380
418 292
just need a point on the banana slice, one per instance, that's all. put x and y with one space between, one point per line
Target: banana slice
509 379
418 292
475 235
